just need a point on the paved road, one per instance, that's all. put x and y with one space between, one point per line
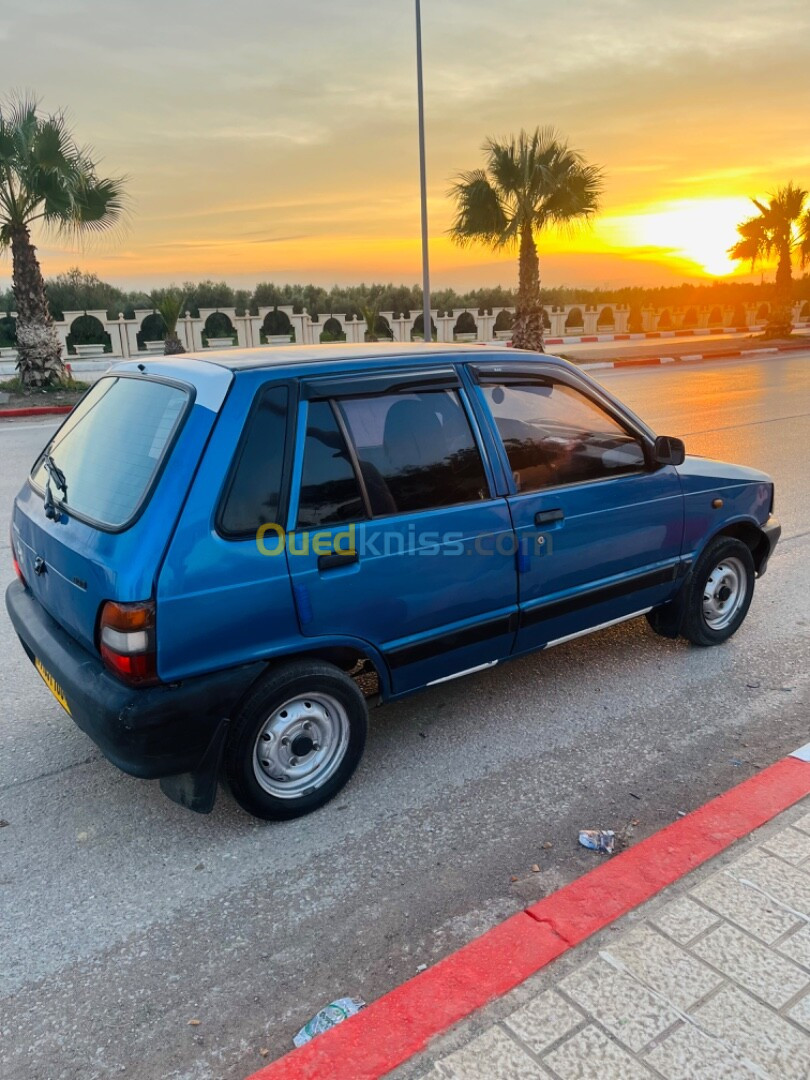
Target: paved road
122 917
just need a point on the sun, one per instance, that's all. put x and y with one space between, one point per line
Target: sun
696 231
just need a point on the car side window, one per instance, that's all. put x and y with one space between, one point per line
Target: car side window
252 497
416 451
555 435
330 492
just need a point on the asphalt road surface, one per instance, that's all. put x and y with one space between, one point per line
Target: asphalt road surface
124 917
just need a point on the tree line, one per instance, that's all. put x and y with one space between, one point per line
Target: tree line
77 290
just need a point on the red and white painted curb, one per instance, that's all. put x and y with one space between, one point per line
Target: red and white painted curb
35 410
401 1023
692 332
587 339
687 358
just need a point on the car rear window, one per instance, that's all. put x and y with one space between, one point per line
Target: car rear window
330 493
111 447
415 451
254 490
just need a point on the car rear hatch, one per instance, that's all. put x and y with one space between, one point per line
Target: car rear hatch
94 519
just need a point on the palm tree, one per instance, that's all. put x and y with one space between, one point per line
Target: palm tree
369 312
45 176
528 183
780 228
368 302
169 304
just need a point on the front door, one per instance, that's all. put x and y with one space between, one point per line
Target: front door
397 538
599 527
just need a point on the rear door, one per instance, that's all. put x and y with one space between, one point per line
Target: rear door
396 537
599 527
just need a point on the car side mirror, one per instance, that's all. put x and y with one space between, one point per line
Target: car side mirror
668 450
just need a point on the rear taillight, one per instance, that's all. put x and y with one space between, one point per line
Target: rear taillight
15 561
127 641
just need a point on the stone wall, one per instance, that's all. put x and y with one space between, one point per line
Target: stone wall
277 326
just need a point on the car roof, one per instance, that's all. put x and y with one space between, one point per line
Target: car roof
278 356
342 357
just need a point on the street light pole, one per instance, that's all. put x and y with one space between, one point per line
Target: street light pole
423 178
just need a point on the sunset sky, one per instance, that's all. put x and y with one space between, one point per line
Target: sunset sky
277 141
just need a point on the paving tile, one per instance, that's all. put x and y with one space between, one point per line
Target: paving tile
591 1055
790 844
619 1003
787 884
745 906
803 823
543 1020
683 919
492 1056
797 946
801 1012
690 1053
664 967
755 1031
755 967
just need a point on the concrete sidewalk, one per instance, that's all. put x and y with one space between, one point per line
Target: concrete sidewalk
709 979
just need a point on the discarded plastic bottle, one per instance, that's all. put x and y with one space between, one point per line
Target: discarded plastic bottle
332 1014
601 840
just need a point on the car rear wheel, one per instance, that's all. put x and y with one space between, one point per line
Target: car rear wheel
296 740
720 592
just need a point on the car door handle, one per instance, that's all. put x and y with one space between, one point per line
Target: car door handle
545 517
332 562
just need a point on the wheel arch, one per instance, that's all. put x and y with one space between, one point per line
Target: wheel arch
355 658
750 533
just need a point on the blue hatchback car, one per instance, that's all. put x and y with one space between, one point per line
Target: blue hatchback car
223 558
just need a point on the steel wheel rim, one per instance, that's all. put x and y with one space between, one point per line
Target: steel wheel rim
301 745
724 593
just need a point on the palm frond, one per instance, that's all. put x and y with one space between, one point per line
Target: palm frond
504 165
98 204
51 147
756 241
576 194
169 303
480 214
804 238
788 201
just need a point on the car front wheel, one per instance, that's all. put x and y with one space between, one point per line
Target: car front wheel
296 740
720 592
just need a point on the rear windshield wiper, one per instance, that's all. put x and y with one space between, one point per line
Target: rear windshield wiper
55 473
52 512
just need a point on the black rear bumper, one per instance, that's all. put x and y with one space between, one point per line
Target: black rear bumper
152 732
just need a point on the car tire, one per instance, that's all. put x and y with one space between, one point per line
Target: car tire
295 740
719 592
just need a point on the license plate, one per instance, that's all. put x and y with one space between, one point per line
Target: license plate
52 685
